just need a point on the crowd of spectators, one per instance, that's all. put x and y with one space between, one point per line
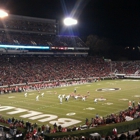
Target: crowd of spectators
29 130
124 136
17 70
126 67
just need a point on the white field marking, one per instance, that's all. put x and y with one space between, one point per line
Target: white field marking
31 94
101 99
70 114
89 108
11 97
57 113
136 95
77 87
107 103
107 89
123 99
64 89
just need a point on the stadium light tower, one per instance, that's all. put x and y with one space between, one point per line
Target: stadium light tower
70 21
3 13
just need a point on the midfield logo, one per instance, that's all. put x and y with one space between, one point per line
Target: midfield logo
107 89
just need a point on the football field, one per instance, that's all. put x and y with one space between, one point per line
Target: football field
112 97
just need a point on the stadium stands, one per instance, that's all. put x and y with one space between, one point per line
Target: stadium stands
23 70
33 69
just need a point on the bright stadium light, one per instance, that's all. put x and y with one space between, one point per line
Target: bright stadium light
3 14
70 21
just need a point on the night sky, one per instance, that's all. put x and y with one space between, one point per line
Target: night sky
118 20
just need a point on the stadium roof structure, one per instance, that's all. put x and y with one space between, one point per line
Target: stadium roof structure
23 21
21 34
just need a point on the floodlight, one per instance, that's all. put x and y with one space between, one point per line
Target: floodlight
3 14
70 21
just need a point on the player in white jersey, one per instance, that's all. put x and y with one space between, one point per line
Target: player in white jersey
25 95
95 100
63 95
83 98
42 94
76 97
61 99
59 96
67 97
37 97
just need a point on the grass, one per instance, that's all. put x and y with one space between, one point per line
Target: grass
116 100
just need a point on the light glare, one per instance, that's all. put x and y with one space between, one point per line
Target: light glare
3 14
70 21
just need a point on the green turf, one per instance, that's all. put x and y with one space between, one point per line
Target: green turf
50 104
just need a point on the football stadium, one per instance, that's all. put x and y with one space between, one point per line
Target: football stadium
50 88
